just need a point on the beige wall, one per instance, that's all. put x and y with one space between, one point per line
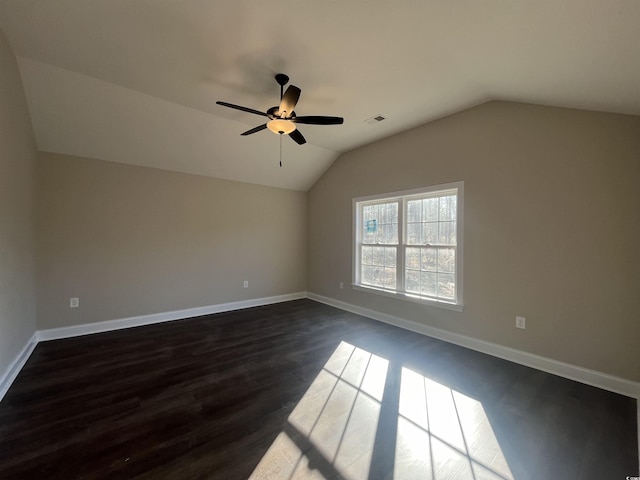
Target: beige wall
551 231
131 240
17 161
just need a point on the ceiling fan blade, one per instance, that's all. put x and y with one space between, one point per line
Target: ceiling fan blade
255 129
318 120
288 101
297 137
244 109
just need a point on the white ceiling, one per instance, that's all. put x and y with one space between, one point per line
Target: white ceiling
136 81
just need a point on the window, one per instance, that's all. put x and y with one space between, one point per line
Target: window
408 244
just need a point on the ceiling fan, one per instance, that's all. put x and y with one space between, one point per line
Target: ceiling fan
282 118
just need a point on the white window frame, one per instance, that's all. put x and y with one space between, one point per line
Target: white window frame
403 197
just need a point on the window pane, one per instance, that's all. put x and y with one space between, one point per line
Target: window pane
392 212
414 210
428 283
369 225
379 266
412 281
367 275
380 223
382 213
448 208
413 258
429 259
430 209
366 213
381 234
447 260
413 234
390 257
446 285
430 233
367 256
390 278
368 237
378 256
378 276
448 233
392 234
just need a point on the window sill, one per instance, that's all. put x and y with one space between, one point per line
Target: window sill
408 298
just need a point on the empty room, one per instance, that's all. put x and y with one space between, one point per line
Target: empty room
319 240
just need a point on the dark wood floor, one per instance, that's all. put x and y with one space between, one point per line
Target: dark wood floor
301 390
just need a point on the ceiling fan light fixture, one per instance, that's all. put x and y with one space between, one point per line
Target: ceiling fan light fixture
281 126
282 118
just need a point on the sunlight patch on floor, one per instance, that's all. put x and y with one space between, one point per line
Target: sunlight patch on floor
338 415
443 434
284 460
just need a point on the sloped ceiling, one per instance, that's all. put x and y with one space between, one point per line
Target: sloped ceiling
136 81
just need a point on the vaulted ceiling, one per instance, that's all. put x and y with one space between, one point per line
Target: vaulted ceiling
136 81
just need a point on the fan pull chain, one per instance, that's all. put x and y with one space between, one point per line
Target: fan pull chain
280 150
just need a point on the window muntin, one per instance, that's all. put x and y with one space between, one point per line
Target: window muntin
408 243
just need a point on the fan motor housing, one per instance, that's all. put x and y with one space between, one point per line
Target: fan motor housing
274 113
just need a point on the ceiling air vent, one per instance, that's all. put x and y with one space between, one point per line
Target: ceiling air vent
374 120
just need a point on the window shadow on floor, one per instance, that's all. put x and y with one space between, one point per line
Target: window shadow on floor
365 416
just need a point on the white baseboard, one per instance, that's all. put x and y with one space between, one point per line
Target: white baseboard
77 330
572 372
14 368
120 323
583 375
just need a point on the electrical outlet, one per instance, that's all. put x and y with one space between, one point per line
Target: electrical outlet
74 302
341 285
521 322
246 284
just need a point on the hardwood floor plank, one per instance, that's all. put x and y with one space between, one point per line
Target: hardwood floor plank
208 397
